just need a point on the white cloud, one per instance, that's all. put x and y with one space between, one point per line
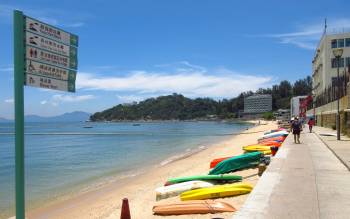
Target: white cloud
60 98
131 98
71 98
182 66
308 36
9 100
221 83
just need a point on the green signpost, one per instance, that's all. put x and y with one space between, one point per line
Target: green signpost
45 57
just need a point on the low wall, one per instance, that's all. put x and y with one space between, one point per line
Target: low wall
326 114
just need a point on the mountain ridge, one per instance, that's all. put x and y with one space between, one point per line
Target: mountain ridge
75 116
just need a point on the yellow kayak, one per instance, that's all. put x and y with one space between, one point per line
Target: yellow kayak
262 148
219 191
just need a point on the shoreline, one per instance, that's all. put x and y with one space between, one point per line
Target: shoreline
172 120
105 200
77 189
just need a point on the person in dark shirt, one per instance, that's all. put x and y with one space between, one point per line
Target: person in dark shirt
296 128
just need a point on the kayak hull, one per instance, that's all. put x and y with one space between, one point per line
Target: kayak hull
236 163
193 207
262 148
213 177
220 191
271 143
176 189
275 134
214 162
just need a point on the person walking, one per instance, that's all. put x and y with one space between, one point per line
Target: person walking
311 123
296 128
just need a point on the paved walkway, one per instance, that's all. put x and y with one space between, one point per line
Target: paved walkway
303 181
340 148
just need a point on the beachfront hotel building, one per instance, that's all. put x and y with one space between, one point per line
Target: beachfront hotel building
257 104
324 78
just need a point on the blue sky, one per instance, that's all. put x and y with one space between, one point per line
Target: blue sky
132 50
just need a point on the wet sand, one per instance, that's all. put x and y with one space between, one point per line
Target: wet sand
105 202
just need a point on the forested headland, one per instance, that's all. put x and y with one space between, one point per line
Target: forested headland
179 107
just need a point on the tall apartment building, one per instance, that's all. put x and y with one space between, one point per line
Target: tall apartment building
256 104
324 64
325 86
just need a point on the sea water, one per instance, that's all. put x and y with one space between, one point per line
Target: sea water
62 158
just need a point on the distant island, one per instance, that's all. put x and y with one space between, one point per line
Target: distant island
178 107
2 120
76 116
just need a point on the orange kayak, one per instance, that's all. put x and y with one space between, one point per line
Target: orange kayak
193 207
214 162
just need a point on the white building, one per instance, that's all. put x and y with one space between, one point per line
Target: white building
324 64
256 104
295 105
324 78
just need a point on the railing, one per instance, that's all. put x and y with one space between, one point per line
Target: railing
330 94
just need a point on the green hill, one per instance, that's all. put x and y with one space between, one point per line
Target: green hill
178 107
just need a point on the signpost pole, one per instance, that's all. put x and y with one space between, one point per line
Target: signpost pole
18 20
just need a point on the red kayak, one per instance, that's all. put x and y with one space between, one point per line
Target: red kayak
214 162
271 143
279 138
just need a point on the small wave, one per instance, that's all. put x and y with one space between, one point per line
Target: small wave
188 152
102 182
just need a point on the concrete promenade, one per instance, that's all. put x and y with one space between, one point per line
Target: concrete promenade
304 180
341 148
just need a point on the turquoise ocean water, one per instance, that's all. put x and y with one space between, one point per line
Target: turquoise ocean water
62 158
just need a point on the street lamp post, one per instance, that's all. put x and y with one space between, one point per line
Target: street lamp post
337 54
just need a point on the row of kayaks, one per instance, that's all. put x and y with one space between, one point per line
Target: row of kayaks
196 192
263 145
197 195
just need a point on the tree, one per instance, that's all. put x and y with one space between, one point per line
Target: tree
176 106
285 89
302 87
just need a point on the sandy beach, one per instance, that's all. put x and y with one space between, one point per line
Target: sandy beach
106 202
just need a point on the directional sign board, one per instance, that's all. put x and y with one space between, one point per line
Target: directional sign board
49 83
50 45
45 57
50 71
50 56
48 31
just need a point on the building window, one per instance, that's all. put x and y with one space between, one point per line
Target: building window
347 42
340 43
334 43
334 62
347 61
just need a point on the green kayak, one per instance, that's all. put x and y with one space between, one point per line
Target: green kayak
235 163
218 178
